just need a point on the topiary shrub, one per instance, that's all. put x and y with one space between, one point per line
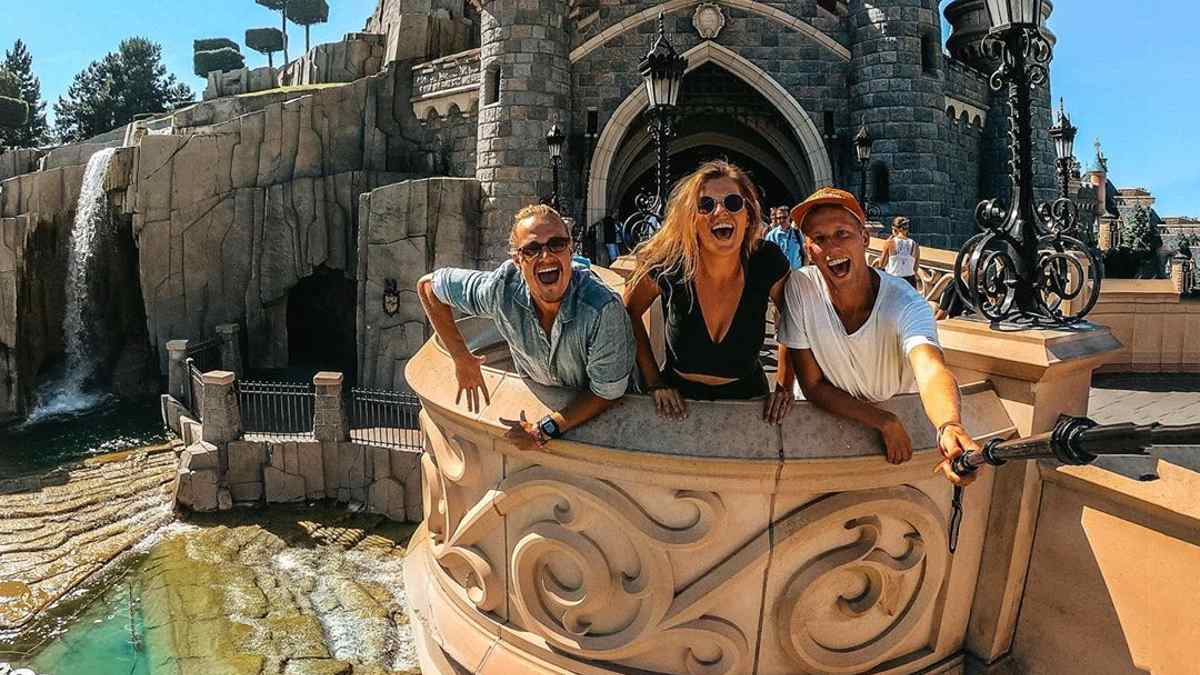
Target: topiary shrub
306 13
209 44
13 112
214 60
266 41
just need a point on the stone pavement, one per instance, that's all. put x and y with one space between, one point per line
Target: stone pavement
1168 398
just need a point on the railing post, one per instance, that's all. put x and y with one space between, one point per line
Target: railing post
231 347
222 417
329 409
177 374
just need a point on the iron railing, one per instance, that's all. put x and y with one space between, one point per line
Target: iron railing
385 418
206 353
276 410
195 390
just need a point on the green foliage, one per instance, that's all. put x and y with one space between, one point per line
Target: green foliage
281 7
265 40
276 5
209 44
22 84
217 60
1140 234
112 90
306 13
13 112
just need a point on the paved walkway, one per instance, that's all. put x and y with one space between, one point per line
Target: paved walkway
1167 398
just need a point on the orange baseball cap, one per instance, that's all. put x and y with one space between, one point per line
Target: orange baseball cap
828 196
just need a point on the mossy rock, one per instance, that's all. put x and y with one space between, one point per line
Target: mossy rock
13 112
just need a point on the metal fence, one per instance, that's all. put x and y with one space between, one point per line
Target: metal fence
277 410
385 418
195 390
205 353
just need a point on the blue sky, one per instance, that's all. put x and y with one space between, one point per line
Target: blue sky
1131 77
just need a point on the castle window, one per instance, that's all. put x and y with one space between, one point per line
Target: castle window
881 188
930 53
491 84
828 5
830 129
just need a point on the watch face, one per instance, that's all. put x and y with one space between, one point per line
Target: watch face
548 427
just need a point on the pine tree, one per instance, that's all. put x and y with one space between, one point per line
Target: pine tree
111 91
1141 235
306 13
19 64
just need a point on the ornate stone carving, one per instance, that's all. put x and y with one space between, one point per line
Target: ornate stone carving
708 20
446 84
846 609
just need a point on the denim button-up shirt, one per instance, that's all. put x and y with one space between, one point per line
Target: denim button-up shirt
590 345
791 242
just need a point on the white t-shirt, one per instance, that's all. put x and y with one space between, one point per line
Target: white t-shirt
872 363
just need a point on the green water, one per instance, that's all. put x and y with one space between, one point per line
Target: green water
114 425
108 638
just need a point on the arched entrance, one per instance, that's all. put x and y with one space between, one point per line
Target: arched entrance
731 109
321 324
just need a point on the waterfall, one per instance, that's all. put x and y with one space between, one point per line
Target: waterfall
90 231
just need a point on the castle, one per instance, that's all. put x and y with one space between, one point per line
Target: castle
300 205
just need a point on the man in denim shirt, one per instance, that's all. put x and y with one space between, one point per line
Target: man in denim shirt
787 238
563 326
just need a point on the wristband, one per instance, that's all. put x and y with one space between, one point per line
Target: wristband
942 429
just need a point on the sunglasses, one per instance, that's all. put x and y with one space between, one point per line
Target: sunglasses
732 203
535 250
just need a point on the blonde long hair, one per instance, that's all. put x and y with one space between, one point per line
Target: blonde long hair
676 246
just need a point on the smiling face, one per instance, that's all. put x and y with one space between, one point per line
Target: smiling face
548 273
779 218
721 232
837 245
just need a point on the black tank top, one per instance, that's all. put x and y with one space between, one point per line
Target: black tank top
690 348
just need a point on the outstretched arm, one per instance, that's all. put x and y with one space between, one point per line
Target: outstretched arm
827 397
667 401
943 405
466 364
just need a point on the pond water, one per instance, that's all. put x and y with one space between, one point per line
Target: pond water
52 441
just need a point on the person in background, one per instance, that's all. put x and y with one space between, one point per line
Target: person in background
856 336
786 237
564 327
715 278
901 256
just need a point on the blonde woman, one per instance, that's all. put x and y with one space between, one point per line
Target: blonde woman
715 277
901 256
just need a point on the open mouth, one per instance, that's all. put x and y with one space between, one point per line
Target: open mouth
548 275
723 231
838 267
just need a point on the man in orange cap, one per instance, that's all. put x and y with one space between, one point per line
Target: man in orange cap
856 337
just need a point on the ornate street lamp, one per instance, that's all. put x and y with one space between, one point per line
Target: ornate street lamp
862 148
554 141
1026 267
663 70
1063 135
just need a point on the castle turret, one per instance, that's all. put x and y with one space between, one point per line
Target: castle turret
526 88
896 91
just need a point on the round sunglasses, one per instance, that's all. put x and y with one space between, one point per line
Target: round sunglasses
732 203
535 249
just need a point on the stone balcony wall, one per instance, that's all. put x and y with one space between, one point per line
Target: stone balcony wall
710 545
446 86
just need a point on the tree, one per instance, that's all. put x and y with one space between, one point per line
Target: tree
1143 238
217 60
111 91
281 7
306 13
209 44
19 64
13 113
265 41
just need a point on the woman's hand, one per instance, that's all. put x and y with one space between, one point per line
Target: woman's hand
778 404
669 403
470 381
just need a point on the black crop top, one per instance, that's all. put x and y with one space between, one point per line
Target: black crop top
690 349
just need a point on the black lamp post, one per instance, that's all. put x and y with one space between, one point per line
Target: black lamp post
862 148
663 70
1025 267
1063 135
554 141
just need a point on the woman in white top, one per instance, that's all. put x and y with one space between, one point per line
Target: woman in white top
901 256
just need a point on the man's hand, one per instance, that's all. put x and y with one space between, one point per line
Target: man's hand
470 381
954 441
896 441
670 404
778 405
524 434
